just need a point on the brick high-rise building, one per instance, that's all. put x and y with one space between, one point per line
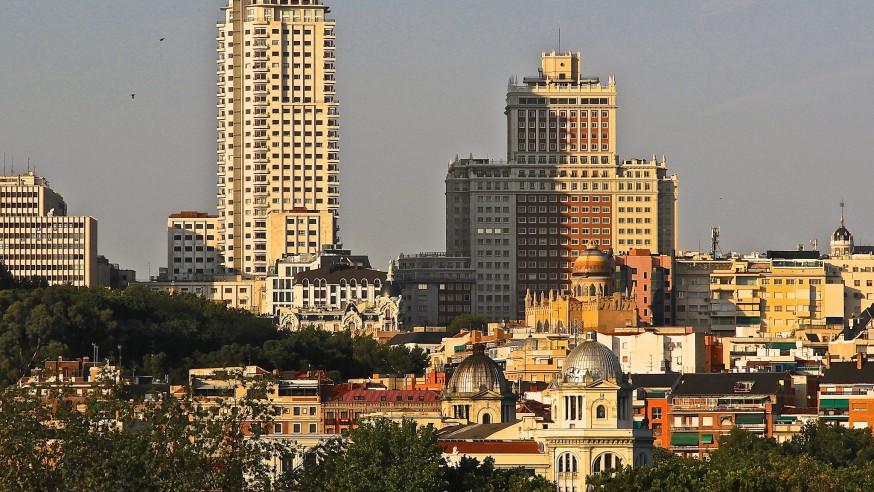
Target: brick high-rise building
523 221
278 143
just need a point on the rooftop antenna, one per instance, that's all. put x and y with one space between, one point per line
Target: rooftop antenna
714 242
842 212
559 40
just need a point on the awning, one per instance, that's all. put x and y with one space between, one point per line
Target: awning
834 417
782 345
786 419
684 439
706 438
655 394
748 418
834 403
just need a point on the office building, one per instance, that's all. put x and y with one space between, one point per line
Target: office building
523 221
278 145
39 240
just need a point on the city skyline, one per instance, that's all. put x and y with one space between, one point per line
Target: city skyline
695 84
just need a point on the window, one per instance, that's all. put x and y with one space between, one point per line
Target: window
601 412
656 413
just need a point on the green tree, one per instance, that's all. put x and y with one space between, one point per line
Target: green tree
383 455
467 321
378 456
58 441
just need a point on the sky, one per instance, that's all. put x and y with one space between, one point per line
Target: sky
763 109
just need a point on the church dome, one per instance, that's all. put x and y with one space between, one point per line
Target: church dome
841 234
477 373
591 358
592 263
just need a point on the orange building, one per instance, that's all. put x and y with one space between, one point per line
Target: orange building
648 277
704 406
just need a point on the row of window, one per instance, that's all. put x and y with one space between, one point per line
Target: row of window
553 147
564 114
573 124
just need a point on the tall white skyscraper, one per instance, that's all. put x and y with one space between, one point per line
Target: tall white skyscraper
278 132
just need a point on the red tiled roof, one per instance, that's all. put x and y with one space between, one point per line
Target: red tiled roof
491 447
365 395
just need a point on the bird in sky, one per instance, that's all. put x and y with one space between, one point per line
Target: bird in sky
132 96
162 39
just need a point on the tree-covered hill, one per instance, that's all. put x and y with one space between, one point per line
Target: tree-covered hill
162 333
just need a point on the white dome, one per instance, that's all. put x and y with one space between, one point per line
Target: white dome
591 358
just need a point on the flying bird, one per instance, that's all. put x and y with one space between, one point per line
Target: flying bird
162 39
132 96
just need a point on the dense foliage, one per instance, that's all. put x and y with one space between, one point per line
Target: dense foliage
162 333
386 456
466 322
56 443
822 458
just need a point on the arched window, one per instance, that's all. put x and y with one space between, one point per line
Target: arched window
641 460
567 463
487 418
606 462
601 412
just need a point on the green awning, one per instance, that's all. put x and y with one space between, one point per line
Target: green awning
638 424
834 417
655 394
460 348
786 419
782 345
834 403
684 439
706 438
749 418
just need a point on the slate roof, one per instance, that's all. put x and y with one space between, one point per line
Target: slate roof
666 380
474 431
335 273
724 383
846 373
419 338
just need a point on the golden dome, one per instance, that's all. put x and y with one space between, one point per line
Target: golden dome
593 263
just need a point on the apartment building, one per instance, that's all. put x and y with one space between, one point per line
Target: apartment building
435 287
277 131
702 407
39 240
648 277
846 394
193 246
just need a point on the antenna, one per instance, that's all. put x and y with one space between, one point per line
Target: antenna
559 40
714 242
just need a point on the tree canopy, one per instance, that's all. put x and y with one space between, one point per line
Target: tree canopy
167 334
822 458
384 455
467 321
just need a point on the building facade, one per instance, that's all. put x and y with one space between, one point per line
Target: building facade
193 246
278 140
436 288
523 220
39 240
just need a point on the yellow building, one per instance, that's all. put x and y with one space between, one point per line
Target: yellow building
774 297
277 129
590 303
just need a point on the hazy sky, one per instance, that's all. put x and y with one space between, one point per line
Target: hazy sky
763 109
